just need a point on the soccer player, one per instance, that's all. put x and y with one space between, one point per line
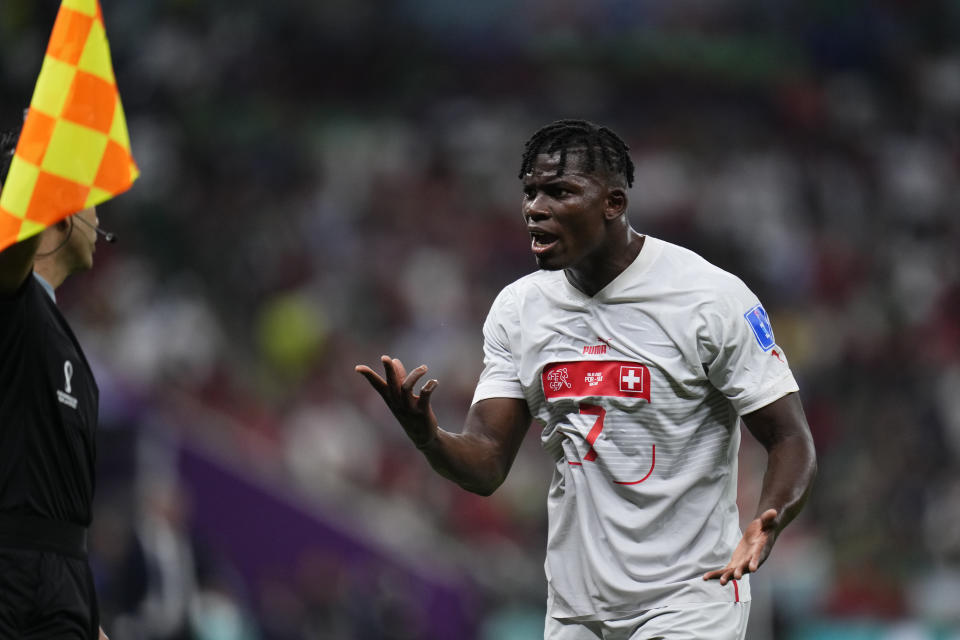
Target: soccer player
638 358
48 418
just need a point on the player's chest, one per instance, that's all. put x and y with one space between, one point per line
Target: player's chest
626 333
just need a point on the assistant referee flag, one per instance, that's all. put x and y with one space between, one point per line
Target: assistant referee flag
74 149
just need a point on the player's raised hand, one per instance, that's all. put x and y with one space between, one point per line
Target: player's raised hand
396 388
754 547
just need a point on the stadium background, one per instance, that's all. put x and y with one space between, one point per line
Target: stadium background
327 181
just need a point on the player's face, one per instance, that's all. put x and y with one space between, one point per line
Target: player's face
566 216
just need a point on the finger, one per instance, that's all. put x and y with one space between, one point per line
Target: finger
713 575
754 564
411 380
390 371
424 402
401 370
372 377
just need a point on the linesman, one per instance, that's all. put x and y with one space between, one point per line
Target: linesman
48 420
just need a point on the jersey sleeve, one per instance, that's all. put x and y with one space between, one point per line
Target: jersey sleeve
500 377
739 352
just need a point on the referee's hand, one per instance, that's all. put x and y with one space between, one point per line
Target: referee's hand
103 636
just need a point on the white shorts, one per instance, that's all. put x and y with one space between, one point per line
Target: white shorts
702 621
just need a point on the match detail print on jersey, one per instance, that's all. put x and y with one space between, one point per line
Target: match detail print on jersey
603 378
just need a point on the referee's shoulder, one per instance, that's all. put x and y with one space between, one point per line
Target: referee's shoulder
16 264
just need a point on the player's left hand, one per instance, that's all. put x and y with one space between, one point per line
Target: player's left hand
753 549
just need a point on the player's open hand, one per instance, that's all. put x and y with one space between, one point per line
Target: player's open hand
396 388
754 547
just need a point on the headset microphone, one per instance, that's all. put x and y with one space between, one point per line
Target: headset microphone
107 236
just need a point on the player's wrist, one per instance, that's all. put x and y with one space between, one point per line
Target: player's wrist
429 443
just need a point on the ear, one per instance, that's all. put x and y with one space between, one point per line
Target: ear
616 204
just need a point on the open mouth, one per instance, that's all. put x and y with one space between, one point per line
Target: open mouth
541 241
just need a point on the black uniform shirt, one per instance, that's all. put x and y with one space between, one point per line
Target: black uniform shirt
48 411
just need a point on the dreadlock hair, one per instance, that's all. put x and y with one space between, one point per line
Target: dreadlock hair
596 142
8 145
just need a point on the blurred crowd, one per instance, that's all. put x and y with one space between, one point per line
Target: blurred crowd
326 182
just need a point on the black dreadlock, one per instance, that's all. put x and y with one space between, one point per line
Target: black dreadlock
8 145
564 135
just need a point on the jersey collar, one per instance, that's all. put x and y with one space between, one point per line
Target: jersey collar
46 286
648 254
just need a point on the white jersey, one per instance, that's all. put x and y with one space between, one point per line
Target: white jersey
639 389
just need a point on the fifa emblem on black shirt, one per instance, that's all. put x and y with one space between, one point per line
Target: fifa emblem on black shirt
64 395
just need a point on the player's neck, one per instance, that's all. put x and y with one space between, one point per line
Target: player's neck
591 277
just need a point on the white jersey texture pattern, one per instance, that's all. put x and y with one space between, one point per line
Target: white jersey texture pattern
639 389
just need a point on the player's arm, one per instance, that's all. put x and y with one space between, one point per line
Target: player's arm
16 263
782 429
480 456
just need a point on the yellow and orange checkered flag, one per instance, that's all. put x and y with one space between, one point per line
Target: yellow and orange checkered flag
74 149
